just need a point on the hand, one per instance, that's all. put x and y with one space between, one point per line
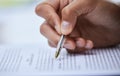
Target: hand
82 22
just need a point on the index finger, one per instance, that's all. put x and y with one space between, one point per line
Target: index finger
48 10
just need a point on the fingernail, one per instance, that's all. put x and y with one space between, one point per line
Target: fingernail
65 25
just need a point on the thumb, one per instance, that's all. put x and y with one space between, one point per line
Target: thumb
72 11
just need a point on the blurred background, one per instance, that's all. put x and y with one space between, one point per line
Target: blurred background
18 22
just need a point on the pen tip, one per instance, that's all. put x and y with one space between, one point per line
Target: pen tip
56 54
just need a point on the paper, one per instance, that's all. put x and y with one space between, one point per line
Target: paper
39 60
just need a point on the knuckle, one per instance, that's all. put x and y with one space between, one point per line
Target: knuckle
43 11
39 8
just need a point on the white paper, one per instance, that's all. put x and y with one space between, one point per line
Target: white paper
40 60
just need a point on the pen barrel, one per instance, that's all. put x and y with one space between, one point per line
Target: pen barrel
60 46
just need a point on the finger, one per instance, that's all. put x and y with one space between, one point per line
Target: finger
89 44
69 44
47 31
72 11
51 44
82 45
80 42
48 10
63 3
53 36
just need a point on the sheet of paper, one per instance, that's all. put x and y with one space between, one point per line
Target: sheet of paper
40 60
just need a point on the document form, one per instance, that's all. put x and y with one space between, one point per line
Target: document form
40 60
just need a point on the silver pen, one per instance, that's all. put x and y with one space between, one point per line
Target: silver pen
60 45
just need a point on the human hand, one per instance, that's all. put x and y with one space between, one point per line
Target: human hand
76 20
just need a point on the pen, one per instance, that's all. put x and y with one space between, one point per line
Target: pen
60 46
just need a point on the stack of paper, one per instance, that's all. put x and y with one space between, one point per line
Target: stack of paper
40 60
